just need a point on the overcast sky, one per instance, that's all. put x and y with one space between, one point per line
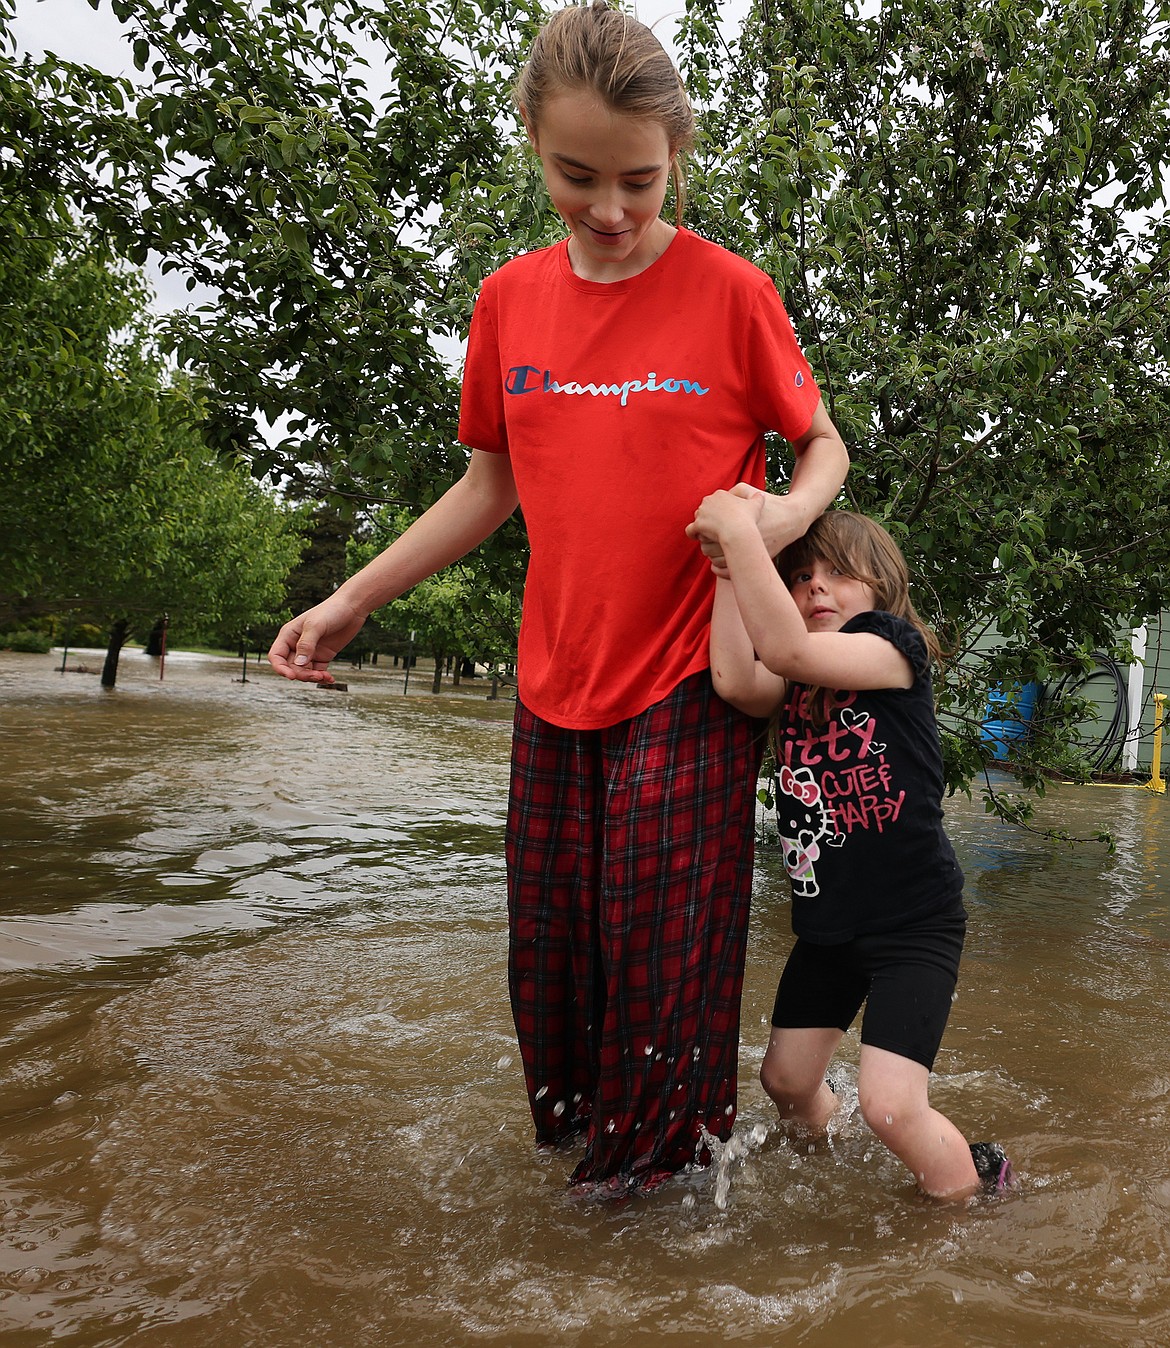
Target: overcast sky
75 31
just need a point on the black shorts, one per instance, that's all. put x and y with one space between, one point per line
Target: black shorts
906 978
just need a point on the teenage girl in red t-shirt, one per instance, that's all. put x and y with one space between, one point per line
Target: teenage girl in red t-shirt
630 832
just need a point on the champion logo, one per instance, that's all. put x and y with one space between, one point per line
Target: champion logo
799 380
522 379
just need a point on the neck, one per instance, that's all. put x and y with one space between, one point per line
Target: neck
656 242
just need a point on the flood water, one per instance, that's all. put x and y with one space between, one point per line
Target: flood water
260 1085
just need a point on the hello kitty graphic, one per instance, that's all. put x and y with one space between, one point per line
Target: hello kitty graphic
804 821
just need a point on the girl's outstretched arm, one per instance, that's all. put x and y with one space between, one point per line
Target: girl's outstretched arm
739 678
773 623
471 509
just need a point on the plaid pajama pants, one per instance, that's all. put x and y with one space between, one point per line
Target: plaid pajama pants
629 856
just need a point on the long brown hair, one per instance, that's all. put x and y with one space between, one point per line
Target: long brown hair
859 547
603 51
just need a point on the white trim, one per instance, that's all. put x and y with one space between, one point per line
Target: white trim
1137 674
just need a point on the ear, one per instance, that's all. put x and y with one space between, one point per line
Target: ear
529 127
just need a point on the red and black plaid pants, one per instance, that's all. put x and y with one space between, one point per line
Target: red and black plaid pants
629 882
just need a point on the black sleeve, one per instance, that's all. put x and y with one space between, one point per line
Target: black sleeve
900 633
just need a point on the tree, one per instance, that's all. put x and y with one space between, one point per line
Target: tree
323 565
255 159
964 206
295 157
113 505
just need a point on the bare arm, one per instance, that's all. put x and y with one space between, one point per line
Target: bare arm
820 464
460 519
773 623
739 678
819 468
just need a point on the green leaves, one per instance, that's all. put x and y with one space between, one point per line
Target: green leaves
295 159
471 610
113 505
964 207
945 197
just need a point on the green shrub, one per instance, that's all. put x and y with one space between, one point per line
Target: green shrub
87 634
27 640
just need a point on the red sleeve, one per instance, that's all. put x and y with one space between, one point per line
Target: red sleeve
481 404
782 392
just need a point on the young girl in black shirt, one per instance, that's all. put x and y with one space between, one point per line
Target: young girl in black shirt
828 642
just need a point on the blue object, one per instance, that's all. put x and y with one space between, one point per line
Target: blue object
1004 724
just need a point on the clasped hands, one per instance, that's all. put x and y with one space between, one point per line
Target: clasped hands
726 513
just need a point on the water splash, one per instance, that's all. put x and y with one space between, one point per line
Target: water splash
729 1156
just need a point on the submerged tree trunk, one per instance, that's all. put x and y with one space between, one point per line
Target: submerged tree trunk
118 635
437 683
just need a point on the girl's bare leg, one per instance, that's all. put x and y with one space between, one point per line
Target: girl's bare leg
892 1093
793 1074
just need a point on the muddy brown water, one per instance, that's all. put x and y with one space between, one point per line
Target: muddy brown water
259 1083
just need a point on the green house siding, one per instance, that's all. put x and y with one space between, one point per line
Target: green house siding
1111 689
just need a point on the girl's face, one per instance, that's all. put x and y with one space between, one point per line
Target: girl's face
827 598
607 176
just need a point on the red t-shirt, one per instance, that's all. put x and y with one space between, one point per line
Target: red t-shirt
622 405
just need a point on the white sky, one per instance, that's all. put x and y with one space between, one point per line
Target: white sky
72 30
75 31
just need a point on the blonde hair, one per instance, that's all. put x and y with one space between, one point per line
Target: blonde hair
859 547
600 50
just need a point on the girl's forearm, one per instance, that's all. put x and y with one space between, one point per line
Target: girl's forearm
739 678
771 621
818 472
471 509
733 658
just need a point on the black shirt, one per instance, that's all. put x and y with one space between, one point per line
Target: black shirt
859 803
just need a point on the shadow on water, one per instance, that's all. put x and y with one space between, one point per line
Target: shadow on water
261 1087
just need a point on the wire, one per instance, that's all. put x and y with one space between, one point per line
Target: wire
1104 753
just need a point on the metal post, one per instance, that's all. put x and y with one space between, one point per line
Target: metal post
68 634
1156 783
162 660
